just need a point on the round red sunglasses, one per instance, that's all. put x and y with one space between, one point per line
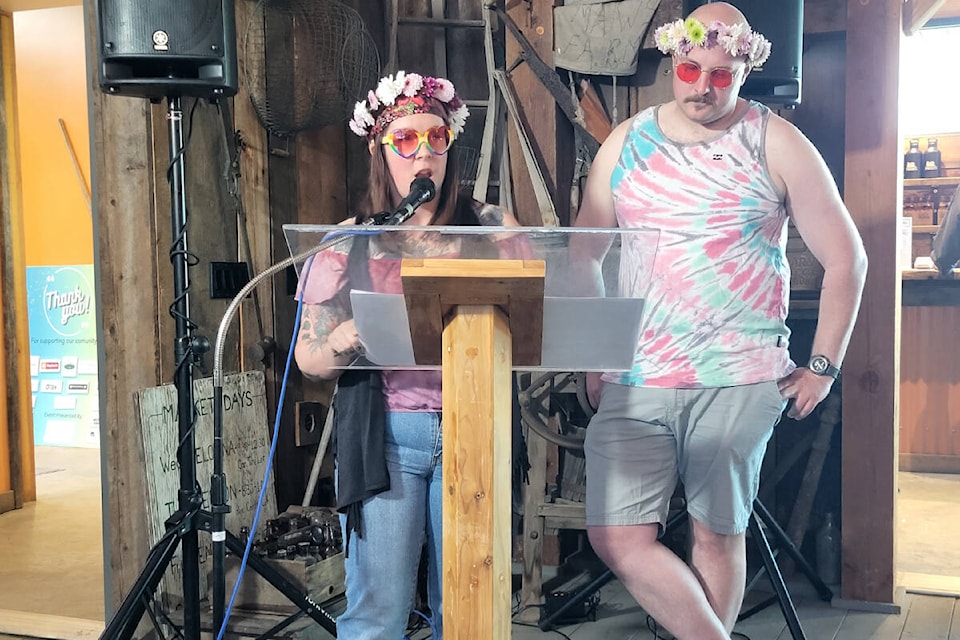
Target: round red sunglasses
689 72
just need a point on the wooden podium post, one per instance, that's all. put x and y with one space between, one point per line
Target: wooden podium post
477 318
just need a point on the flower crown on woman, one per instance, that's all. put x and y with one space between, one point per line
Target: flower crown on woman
737 39
405 94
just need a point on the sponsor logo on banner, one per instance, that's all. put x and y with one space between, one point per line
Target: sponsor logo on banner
69 365
87 367
51 386
78 387
49 366
34 385
65 403
68 301
34 365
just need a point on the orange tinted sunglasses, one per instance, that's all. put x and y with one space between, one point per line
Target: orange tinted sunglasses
407 142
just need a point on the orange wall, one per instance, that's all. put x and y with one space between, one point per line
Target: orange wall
52 85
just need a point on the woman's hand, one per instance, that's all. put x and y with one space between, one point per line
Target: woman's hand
344 340
325 343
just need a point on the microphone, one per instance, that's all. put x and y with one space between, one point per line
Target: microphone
422 190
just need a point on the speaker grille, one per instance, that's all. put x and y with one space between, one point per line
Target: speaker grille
193 28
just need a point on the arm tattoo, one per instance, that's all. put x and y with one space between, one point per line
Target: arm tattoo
316 324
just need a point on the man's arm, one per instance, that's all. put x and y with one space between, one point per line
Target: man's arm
829 233
596 206
596 210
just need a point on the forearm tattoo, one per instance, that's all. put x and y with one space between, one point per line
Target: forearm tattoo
316 323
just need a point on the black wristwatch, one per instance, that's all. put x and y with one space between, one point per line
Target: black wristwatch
822 366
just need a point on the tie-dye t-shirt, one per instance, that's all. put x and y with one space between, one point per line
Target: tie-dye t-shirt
717 303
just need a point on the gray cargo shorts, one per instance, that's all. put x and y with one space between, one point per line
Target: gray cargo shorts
643 440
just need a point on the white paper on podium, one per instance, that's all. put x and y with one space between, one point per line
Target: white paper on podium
579 334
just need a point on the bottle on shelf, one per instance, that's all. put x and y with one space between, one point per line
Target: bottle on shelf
931 160
913 160
828 550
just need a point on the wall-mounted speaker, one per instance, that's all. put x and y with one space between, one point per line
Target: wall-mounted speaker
777 82
159 48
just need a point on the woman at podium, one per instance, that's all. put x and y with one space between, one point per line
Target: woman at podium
387 423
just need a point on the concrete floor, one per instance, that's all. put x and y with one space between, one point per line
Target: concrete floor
51 570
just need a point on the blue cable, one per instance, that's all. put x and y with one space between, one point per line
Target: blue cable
276 429
433 629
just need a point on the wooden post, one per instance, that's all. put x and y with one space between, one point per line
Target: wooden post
495 315
871 372
476 474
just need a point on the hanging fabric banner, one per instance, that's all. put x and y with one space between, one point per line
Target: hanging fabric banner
601 38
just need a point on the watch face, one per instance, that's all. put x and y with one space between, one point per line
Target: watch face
819 364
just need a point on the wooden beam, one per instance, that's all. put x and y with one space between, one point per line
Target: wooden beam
538 112
124 220
916 13
17 442
871 372
476 474
824 16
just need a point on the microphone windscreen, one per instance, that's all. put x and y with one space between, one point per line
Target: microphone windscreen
423 185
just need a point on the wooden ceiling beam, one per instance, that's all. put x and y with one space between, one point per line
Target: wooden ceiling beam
916 13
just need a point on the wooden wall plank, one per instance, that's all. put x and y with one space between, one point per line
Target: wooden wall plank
871 375
124 225
929 382
254 198
17 444
538 113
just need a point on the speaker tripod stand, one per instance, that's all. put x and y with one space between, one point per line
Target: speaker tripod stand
183 527
758 518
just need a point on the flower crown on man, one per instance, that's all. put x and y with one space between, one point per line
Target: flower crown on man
738 39
405 94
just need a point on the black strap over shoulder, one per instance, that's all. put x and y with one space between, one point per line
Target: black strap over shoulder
359 419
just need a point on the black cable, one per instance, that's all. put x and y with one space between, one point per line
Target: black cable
190 260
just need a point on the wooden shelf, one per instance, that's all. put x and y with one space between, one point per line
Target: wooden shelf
928 274
947 181
926 228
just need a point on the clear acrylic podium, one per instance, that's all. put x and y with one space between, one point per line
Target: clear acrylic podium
477 303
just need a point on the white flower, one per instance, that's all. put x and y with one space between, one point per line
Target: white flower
458 118
413 85
362 115
390 88
761 52
357 129
372 99
678 31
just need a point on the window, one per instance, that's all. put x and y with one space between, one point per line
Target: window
929 90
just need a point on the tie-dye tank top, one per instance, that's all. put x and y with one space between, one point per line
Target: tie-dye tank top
717 303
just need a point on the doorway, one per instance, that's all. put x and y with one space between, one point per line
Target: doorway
928 499
51 564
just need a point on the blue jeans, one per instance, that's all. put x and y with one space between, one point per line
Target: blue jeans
381 570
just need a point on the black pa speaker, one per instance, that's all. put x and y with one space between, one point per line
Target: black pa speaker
160 48
777 82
